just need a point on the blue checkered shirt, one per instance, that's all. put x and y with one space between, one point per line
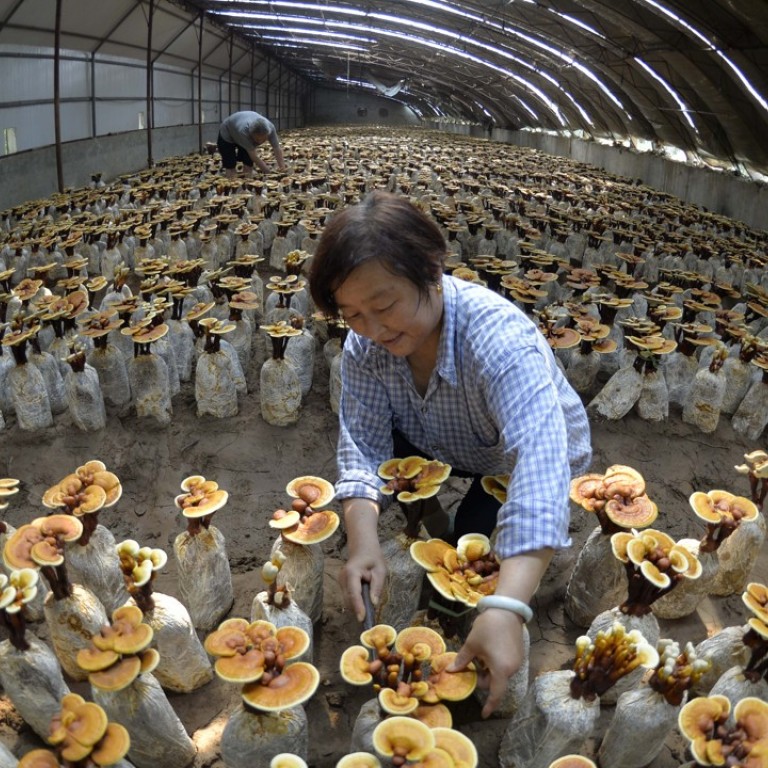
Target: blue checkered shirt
496 403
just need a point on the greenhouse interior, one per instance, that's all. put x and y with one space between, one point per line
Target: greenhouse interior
454 313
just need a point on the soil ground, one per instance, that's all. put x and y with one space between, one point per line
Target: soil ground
254 461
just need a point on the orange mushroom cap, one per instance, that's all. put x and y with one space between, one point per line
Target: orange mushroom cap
118 676
421 642
449 686
39 758
429 554
359 760
283 519
573 761
755 597
460 747
354 665
313 528
379 636
315 491
434 715
113 746
404 737
294 685
396 703
245 667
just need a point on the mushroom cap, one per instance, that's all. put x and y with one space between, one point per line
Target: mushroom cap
619 543
472 546
395 703
654 575
496 486
354 665
404 736
450 686
282 519
460 747
294 685
430 554
64 527
584 489
434 715
245 667
563 338
199 505
113 746
229 639
359 760
406 468
39 758
314 491
454 586
758 626
572 761
92 659
697 719
631 512
127 633
622 480
287 760
118 676
755 597
293 641
379 636
751 714
17 552
314 528
421 642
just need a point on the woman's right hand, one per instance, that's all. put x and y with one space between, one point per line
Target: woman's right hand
366 566
365 562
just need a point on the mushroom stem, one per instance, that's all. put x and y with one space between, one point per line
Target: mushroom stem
58 581
16 625
757 666
413 511
89 521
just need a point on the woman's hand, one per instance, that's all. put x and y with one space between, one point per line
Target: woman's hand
365 562
495 644
365 566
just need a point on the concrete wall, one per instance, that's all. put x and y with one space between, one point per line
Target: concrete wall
32 174
331 107
732 196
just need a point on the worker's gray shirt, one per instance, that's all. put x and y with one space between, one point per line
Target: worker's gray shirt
239 127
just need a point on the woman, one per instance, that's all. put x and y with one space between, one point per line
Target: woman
460 374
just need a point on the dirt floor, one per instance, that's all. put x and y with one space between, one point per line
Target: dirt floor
254 461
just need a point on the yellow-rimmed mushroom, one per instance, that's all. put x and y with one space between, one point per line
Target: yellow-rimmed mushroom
755 597
294 685
283 519
39 758
199 502
460 747
572 761
314 528
421 642
448 686
434 715
314 492
355 665
496 486
378 637
287 760
723 512
398 701
359 760
403 739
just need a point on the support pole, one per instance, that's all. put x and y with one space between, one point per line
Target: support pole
150 86
57 97
200 86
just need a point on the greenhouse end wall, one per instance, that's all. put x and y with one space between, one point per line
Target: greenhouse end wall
31 175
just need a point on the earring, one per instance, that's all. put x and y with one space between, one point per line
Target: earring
439 288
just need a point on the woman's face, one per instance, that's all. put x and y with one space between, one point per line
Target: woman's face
389 309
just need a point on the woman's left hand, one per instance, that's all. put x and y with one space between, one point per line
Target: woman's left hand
497 660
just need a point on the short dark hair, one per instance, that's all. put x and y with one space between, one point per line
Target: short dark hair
384 228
